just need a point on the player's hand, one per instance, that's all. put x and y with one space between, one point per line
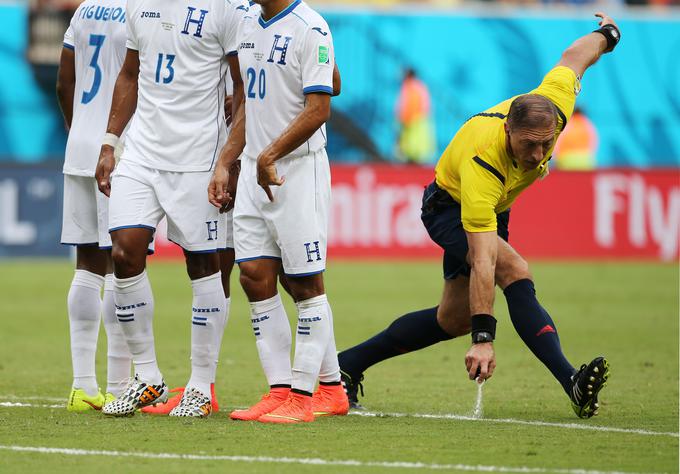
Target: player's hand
104 169
480 361
267 176
227 108
606 20
232 184
218 195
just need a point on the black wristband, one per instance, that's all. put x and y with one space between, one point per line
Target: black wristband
611 34
483 323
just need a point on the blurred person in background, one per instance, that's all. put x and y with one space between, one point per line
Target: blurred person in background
416 136
576 150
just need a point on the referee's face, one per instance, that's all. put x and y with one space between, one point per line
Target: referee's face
530 145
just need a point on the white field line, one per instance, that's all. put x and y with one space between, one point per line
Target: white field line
571 426
305 461
444 416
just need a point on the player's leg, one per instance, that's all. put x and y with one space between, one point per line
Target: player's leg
259 263
134 212
118 357
538 331
84 301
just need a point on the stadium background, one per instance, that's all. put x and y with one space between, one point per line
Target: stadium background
469 56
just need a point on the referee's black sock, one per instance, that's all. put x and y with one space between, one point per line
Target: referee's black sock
537 330
408 333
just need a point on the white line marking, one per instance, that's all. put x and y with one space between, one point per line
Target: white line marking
308 461
572 426
444 416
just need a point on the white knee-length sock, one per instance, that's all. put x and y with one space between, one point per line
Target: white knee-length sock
119 358
84 313
219 333
208 316
134 310
330 369
311 341
273 339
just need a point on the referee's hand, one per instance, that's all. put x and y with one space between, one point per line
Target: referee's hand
105 166
267 175
480 361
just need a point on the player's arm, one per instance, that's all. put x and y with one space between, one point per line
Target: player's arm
481 190
66 84
218 194
123 106
337 82
585 51
316 112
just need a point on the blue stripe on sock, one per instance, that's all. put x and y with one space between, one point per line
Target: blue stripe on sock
199 324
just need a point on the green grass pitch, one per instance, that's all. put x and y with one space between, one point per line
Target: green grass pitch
626 311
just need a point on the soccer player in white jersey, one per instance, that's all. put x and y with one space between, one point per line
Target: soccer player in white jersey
287 64
173 81
94 49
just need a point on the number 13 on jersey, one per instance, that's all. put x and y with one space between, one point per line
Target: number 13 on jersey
165 74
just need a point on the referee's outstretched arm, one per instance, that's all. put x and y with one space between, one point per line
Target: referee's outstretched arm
585 51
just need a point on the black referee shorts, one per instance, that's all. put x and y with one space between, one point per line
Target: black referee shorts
441 216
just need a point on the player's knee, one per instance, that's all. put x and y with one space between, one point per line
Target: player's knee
456 322
201 265
125 263
512 271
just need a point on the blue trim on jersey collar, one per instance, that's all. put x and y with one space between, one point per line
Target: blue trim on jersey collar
277 17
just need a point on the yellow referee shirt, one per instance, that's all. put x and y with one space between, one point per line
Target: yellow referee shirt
476 169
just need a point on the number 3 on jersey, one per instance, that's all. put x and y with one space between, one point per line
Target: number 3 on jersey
168 76
97 41
261 83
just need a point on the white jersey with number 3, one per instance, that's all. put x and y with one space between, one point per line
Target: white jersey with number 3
179 122
97 36
281 61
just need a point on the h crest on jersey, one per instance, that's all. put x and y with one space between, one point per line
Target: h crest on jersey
282 49
195 21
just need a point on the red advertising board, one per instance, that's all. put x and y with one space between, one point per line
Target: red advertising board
601 214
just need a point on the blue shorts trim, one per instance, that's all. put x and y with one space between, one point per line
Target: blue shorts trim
136 226
269 257
85 244
296 275
193 251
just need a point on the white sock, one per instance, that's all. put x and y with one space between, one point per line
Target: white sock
313 332
208 316
219 333
330 368
84 313
134 309
273 339
119 358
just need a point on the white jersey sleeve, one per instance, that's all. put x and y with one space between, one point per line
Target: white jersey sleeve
69 38
131 42
317 59
233 16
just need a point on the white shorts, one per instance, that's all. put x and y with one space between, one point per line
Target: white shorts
141 196
294 227
86 213
229 229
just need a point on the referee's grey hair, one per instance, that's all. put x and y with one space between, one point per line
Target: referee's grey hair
531 111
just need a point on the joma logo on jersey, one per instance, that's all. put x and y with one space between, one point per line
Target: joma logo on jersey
247 46
281 49
151 14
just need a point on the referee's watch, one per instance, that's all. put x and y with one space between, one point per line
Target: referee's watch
482 336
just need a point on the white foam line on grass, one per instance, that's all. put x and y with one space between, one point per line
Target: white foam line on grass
306 461
572 426
445 416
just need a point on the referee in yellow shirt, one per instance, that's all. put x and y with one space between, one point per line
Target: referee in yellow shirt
494 156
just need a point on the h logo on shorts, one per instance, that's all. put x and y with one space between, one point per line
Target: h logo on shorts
212 230
283 49
190 19
311 251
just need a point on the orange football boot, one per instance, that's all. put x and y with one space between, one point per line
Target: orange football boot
269 401
173 401
330 400
297 409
